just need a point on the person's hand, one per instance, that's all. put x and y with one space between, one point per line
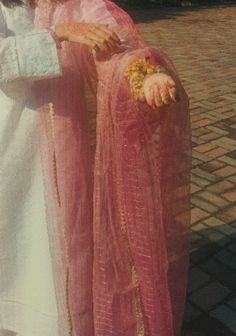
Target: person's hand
97 36
159 90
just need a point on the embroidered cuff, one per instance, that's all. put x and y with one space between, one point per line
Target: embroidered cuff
37 55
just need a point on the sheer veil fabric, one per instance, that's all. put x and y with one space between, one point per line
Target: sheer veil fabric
117 178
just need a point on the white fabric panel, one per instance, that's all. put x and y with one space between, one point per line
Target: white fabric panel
27 294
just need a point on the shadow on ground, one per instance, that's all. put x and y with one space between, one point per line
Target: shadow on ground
211 304
201 42
167 13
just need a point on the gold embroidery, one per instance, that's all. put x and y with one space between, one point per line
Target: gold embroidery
54 161
137 72
55 180
138 305
52 119
68 303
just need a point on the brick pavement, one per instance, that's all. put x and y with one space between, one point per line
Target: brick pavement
202 43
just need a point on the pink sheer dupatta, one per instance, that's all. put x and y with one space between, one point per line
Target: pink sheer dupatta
117 207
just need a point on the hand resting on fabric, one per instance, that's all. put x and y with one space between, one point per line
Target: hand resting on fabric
97 36
159 90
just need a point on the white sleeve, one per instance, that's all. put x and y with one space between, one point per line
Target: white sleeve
33 55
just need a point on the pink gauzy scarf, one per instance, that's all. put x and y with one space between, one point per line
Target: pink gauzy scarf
117 176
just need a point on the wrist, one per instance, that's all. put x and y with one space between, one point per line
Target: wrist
138 72
51 30
59 30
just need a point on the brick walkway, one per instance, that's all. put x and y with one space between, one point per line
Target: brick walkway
202 44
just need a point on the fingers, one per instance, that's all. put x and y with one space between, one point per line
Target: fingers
103 37
160 90
98 42
85 40
153 97
173 93
96 36
92 41
157 96
109 32
149 95
104 41
109 37
163 96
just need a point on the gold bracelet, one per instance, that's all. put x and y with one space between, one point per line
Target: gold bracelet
137 72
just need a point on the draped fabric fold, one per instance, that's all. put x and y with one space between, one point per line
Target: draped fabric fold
117 177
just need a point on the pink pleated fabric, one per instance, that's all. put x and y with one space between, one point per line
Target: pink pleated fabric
117 177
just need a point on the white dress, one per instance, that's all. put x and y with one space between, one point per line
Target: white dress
27 296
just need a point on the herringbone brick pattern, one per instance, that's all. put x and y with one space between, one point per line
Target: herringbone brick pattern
202 43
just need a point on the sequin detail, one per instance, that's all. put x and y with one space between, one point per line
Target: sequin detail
123 226
54 160
56 185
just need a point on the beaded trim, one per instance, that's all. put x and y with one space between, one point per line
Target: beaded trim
137 72
55 178
133 270
51 113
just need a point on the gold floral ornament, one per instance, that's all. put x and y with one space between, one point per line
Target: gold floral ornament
137 72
